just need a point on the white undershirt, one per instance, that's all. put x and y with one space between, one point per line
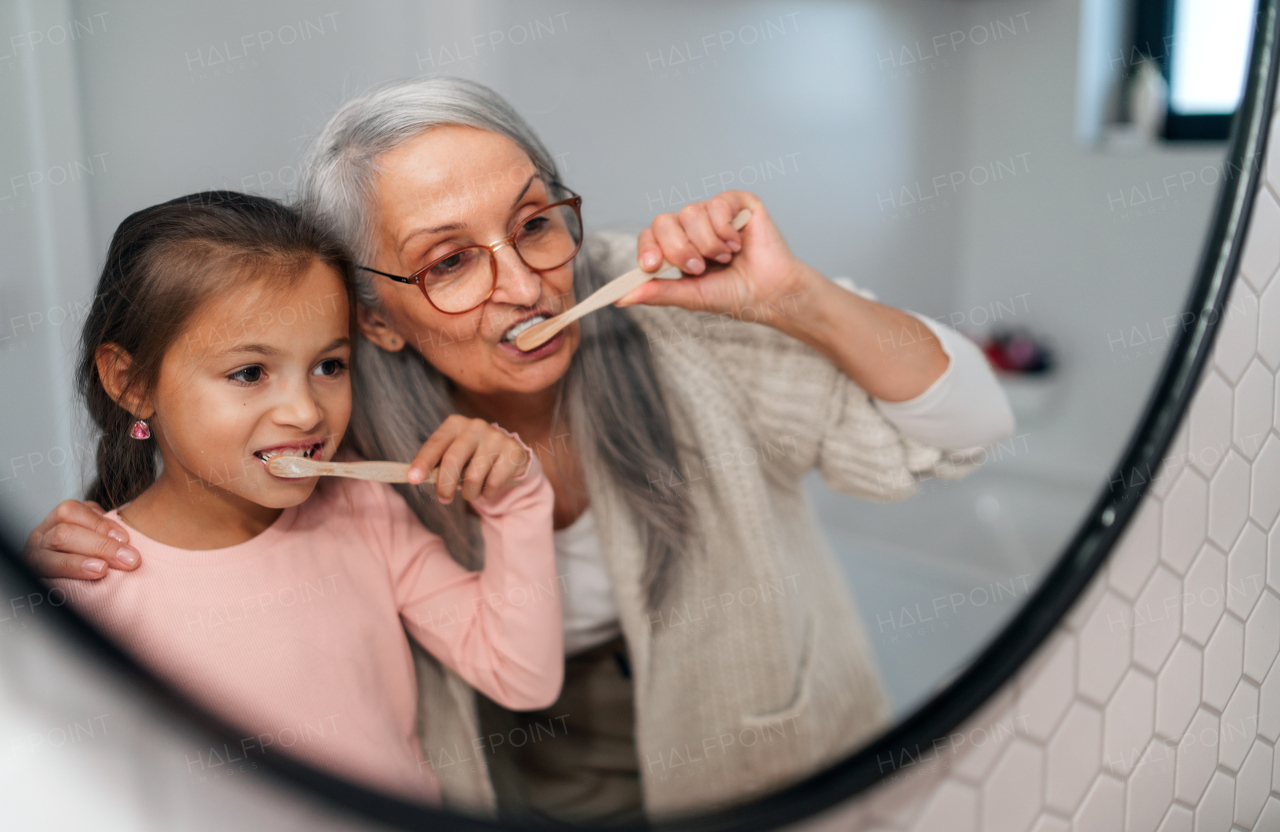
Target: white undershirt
590 611
963 409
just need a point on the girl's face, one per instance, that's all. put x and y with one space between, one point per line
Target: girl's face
452 187
256 373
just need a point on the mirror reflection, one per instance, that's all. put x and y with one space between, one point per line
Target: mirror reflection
917 265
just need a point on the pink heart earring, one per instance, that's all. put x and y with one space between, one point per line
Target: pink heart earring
139 430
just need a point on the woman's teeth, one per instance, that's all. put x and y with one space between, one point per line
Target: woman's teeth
308 452
522 326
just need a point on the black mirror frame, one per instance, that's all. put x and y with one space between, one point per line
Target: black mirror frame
1020 637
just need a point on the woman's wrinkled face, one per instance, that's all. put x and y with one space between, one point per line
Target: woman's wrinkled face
448 188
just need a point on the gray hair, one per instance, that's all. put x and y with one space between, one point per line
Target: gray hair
616 415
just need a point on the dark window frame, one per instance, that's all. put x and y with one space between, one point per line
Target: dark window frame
1152 28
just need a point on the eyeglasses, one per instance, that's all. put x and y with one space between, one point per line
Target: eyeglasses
466 277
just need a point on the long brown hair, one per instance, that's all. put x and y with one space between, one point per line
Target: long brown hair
164 262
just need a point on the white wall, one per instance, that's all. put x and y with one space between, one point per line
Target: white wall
48 254
807 96
1096 262
174 98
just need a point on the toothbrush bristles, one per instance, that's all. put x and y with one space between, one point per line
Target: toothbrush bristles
288 466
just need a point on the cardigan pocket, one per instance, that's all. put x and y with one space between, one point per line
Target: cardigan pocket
804 682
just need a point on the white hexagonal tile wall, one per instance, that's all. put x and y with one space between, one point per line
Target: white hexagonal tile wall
1239 725
1275 410
1174 461
1051 823
1178 819
1270 817
1269 705
1246 570
1217 806
1269 326
953 806
1228 500
1184 520
1210 424
1079 614
1252 785
1251 409
1014 791
1141 545
1204 594
895 807
1264 490
1197 757
1103 807
1273 558
1149 788
1128 723
1157 620
1262 637
1104 651
1237 338
1074 756
1178 691
975 759
1261 252
1223 661
1046 698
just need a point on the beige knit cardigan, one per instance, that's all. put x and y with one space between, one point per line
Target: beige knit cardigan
756 671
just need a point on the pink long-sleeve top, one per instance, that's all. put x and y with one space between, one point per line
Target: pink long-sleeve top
298 635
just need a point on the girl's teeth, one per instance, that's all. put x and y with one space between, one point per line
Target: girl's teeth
304 452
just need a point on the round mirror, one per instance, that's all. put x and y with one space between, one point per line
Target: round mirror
724 551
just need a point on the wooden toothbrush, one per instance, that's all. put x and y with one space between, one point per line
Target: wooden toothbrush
613 291
296 467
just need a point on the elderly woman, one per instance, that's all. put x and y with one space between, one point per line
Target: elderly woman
712 649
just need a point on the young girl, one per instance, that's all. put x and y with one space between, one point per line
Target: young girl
220 337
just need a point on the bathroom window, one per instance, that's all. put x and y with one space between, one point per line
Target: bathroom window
1202 49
